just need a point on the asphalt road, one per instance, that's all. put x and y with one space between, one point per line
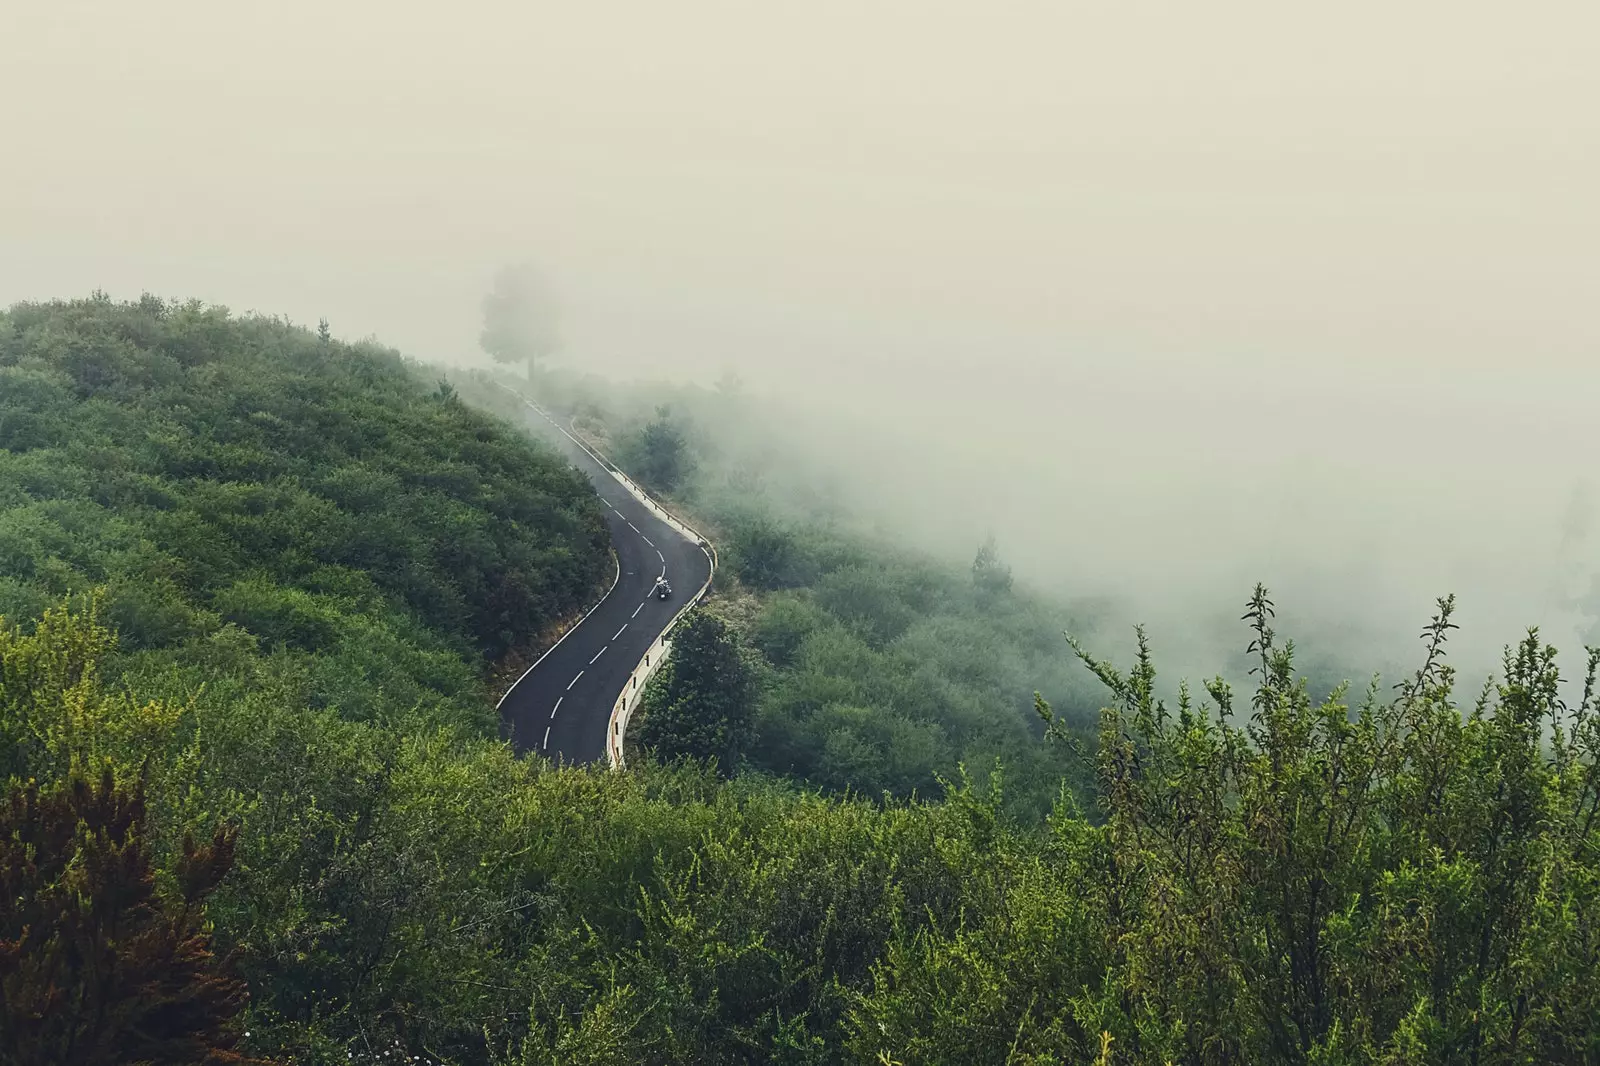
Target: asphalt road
560 707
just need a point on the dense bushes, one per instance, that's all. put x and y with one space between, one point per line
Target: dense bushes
884 669
1408 881
1278 880
698 705
207 471
96 966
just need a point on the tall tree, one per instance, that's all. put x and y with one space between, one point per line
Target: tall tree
659 453
519 317
991 576
701 704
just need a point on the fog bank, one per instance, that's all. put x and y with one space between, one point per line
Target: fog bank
1170 298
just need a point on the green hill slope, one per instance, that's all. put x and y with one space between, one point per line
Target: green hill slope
302 548
239 486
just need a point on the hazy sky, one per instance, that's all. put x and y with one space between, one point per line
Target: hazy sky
1139 273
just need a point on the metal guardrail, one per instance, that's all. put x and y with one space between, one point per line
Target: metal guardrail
622 710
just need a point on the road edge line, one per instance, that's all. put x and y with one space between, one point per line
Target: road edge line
616 578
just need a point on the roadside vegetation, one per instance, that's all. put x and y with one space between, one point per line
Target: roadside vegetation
1262 878
251 497
877 670
256 809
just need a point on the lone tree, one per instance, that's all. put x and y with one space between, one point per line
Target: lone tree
96 967
991 576
519 317
659 453
763 552
700 705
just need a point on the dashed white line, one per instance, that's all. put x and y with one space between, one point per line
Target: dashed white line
546 738
663 558
634 528
618 633
574 681
556 708
615 582
636 611
597 655
648 541
604 501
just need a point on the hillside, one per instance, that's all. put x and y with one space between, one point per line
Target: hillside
242 488
879 669
257 812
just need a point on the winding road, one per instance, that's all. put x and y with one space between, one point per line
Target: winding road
560 707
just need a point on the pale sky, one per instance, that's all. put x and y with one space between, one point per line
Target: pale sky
1094 257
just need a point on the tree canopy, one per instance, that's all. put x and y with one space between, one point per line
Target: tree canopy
989 573
701 703
520 317
255 804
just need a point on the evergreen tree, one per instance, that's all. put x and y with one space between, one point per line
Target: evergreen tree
660 452
991 576
95 967
701 703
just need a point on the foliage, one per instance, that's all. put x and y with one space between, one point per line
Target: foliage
989 574
699 706
244 561
208 600
658 453
1404 884
1400 882
765 555
884 669
95 966
519 317
206 470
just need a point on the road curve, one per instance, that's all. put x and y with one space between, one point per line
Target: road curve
561 705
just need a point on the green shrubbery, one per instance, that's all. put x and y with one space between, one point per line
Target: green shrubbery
207 471
883 670
1273 879
1405 881
699 705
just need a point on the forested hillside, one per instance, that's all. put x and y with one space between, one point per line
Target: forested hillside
256 811
877 669
241 489
1404 880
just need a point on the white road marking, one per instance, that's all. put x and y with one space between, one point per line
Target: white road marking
615 581
663 558
546 738
648 541
556 708
605 501
634 528
574 681
618 633
597 655
636 611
